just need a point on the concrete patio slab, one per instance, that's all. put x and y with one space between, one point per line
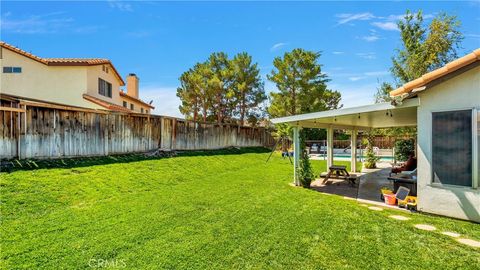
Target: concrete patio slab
367 188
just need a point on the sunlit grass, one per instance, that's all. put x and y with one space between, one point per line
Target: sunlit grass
209 211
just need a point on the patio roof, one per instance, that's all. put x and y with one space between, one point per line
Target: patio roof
381 115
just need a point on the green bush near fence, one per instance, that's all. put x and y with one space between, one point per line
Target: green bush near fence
404 148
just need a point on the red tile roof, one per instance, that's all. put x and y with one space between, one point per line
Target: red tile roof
108 105
123 94
64 61
438 73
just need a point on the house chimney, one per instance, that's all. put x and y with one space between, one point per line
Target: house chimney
132 85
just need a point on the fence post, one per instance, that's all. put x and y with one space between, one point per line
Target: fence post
106 134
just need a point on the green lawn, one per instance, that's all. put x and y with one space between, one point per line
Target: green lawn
208 211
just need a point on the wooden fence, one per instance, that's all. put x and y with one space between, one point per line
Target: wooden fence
39 132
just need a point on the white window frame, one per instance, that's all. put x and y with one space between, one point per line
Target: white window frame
475 157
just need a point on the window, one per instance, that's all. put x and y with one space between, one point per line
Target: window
12 70
141 110
131 106
146 111
452 147
104 88
125 104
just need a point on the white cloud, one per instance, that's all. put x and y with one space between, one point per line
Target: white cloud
165 100
120 5
357 78
88 29
277 46
371 38
368 55
36 24
347 17
473 36
338 53
389 23
50 23
389 26
139 34
377 73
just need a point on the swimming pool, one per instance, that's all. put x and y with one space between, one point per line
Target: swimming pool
347 156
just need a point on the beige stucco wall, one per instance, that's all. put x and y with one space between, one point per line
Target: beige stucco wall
137 105
95 72
64 85
460 92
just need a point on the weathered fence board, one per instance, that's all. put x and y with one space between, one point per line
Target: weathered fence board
51 133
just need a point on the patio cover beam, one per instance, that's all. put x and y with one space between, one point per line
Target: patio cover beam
296 155
329 147
381 115
353 138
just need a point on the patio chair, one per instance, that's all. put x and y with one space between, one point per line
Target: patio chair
407 179
410 165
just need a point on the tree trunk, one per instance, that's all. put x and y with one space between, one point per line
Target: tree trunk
242 110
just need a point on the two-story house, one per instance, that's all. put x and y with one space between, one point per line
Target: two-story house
78 82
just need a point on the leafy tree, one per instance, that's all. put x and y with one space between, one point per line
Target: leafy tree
383 93
247 86
220 83
205 93
301 84
222 90
404 148
194 92
302 87
425 48
188 95
281 133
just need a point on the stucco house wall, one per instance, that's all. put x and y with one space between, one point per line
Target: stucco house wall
459 92
57 84
95 72
137 106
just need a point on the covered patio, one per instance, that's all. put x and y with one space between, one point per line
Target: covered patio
362 118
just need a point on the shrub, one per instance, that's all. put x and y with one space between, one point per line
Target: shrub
305 171
370 158
404 148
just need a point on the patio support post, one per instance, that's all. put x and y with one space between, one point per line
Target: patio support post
296 155
329 147
354 150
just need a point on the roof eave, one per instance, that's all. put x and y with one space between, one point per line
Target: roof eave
346 111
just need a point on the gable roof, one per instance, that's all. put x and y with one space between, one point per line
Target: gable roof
123 94
108 105
64 61
438 73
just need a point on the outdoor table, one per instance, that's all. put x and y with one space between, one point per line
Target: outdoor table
339 171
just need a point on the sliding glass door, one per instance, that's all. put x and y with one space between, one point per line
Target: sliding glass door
453 147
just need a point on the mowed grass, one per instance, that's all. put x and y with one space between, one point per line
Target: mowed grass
215 211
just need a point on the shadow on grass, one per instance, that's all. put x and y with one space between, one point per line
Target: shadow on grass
36 164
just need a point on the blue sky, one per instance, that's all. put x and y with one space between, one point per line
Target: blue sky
160 40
